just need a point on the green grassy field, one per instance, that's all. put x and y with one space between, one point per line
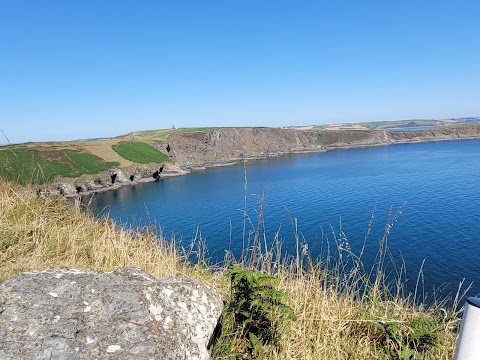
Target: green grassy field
83 163
139 152
162 134
380 125
32 166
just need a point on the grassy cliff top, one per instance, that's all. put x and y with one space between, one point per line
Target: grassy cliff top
162 134
39 163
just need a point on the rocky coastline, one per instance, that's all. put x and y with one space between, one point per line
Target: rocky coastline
229 146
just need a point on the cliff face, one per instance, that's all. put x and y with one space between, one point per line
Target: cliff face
221 146
227 145
111 179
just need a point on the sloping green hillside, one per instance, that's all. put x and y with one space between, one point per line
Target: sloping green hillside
139 152
38 166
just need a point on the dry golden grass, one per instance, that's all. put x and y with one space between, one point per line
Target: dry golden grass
103 149
333 322
39 233
340 326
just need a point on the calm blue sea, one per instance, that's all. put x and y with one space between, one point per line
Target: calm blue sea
432 187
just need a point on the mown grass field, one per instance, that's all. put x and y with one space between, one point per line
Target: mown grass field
380 125
26 165
139 152
162 134
341 312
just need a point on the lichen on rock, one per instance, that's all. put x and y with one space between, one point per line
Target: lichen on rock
126 314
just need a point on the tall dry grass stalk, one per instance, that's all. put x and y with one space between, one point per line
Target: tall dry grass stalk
348 311
342 311
38 233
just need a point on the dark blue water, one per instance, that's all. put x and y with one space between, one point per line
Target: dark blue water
412 128
326 193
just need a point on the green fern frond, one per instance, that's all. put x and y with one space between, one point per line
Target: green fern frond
259 309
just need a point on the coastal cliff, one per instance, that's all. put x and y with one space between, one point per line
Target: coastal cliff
180 151
229 145
111 179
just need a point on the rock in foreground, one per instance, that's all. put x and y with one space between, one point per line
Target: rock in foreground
126 314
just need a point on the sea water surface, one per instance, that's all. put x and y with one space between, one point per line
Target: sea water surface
432 188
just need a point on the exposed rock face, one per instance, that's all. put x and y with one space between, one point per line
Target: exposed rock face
67 189
171 169
127 314
117 175
90 185
235 144
111 179
138 173
228 145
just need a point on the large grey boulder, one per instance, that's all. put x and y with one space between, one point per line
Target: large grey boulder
126 314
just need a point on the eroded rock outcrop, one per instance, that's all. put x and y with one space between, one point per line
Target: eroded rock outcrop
226 145
111 179
126 314
229 145
117 175
66 189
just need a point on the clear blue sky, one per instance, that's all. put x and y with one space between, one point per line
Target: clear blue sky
87 68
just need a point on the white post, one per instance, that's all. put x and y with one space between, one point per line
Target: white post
468 344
